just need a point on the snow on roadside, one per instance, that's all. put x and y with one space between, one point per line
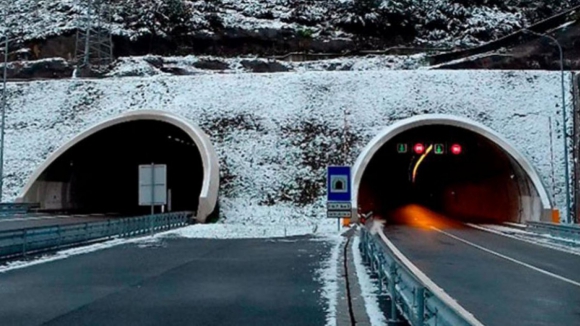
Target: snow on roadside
368 287
541 239
63 254
328 276
506 229
248 231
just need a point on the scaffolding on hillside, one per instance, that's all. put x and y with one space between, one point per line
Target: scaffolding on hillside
94 43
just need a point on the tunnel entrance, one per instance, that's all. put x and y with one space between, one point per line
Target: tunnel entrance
447 168
97 172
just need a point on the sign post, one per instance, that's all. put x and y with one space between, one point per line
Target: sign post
338 190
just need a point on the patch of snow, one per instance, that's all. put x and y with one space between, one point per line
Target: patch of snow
506 229
138 66
328 276
129 66
369 289
63 254
540 239
249 231
561 239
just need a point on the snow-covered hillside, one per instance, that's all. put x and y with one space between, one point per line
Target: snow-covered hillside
276 133
446 23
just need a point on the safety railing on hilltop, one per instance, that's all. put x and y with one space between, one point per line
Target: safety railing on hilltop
413 294
564 231
14 243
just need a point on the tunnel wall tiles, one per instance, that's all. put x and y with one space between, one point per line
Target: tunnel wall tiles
276 133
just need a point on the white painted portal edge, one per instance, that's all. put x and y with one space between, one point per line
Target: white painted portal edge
447 120
209 190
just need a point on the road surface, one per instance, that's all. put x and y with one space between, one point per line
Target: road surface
173 282
502 281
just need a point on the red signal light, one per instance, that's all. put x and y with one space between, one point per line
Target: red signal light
419 148
456 149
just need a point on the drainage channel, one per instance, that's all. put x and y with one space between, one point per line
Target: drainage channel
347 281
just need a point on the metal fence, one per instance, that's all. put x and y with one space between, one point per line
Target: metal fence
21 242
11 209
564 231
413 295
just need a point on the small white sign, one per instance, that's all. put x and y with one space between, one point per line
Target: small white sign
152 184
339 214
338 205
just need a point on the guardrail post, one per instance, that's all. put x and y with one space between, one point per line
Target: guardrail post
419 306
24 242
59 234
393 290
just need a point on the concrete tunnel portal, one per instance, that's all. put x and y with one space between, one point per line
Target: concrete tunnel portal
97 171
449 165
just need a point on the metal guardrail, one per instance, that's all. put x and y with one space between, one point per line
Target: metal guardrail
565 231
9 209
14 243
413 294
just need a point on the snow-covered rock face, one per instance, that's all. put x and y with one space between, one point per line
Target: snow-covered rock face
436 22
276 133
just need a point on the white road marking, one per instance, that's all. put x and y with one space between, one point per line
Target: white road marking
541 244
556 276
517 225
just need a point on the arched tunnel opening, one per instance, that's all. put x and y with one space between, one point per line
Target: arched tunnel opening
100 173
449 171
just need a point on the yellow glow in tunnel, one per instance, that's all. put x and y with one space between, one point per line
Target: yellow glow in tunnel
421 160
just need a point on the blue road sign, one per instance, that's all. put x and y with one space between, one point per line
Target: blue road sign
338 186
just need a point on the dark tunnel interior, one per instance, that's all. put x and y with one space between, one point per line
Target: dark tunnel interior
482 183
100 173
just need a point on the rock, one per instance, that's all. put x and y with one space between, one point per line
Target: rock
153 60
177 71
264 66
211 65
45 68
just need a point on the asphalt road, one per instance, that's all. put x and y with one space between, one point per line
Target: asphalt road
174 282
7 224
512 289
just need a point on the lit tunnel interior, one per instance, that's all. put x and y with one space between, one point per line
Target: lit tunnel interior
459 174
100 173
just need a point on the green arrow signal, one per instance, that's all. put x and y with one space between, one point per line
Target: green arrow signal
439 149
402 148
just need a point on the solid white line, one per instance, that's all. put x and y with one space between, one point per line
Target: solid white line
522 238
561 278
424 279
517 225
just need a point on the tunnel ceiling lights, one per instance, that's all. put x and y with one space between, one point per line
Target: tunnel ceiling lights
180 141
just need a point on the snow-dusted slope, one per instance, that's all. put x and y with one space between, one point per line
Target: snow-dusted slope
276 133
436 22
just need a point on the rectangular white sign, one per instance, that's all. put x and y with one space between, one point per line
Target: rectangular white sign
152 184
338 205
339 214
